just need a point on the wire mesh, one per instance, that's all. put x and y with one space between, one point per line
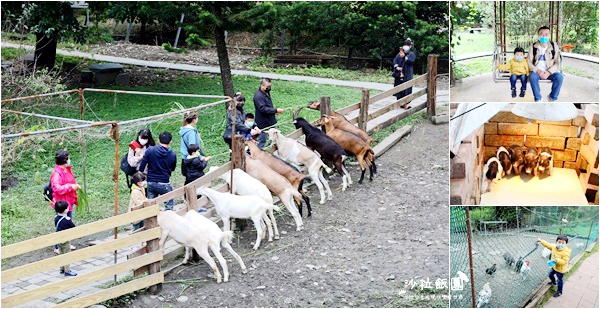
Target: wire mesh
28 161
504 238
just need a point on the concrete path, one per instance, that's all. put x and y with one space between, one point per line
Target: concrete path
210 69
581 289
482 88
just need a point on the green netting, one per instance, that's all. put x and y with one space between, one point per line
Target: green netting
513 230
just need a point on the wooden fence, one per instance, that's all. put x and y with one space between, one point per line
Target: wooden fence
148 259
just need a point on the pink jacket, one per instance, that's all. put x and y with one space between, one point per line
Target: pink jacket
61 181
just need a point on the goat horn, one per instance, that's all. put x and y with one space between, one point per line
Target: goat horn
297 113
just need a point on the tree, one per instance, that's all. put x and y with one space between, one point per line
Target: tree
222 16
49 21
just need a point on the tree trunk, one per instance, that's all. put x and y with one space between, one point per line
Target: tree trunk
143 31
45 51
349 59
224 61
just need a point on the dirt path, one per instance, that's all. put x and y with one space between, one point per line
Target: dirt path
358 250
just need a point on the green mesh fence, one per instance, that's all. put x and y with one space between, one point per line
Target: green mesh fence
501 231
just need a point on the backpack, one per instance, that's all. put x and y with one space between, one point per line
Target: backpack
48 192
553 51
126 168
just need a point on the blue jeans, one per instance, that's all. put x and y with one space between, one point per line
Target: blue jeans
556 78
551 274
513 81
159 188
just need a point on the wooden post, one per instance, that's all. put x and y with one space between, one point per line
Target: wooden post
325 106
325 109
363 117
431 84
191 197
238 160
151 246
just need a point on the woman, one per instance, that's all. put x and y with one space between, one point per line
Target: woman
403 69
64 186
138 147
189 135
240 119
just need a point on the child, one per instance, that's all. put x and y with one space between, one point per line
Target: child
560 256
254 131
63 222
195 163
518 69
138 195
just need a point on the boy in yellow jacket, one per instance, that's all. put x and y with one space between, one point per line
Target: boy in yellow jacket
518 70
560 256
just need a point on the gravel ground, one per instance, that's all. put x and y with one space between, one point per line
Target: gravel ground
359 250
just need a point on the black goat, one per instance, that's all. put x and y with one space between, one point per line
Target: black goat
328 148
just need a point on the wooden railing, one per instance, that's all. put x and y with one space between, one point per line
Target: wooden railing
46 241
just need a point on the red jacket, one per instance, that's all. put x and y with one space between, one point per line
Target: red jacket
61 181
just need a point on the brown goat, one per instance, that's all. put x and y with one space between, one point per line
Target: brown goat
351 144
340 122
284 169
276 184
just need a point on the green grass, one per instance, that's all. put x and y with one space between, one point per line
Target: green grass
469 43
473 67
550 292
11 54
26 215
262 64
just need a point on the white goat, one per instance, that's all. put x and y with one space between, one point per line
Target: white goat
278 185
252 207
218 237
187 235
245 184
290 150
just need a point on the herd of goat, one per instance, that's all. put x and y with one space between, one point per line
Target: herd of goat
265 173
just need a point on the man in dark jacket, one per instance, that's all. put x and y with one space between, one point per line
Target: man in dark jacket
265 112
161 161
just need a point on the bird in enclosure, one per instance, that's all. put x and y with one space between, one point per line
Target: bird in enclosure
510 260
519 265
525 269
490 271
483 297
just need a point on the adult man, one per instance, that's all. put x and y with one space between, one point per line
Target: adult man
161 162
264 110
544 62
404 68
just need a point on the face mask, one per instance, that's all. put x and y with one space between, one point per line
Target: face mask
406 48
250 123
69 162
519 58
239 105
560 246
144 184
268 89
544 39
143 141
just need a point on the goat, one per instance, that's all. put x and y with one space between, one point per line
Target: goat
245 184
340 122
351 143
251 207
278 185
284 169
187 235
296 153
218 238
327 148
